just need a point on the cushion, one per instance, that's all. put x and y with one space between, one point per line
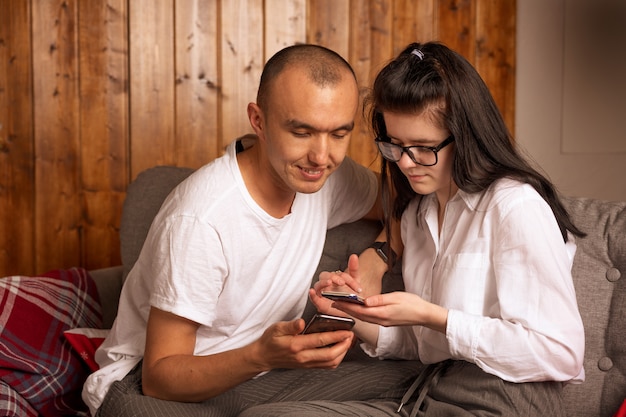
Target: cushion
599 274
85 342
36 361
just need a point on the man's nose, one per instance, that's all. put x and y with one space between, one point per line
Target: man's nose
320 148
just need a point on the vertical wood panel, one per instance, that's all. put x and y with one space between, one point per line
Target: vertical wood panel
456 25
197 83
285 24
16 140
495 39
151 84
242 63
414 21
92 93
326 25
371 46
57 201
103 127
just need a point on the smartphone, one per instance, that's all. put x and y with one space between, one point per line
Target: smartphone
327 323
344 296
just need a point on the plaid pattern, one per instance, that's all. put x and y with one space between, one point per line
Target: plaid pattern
36 361
13 404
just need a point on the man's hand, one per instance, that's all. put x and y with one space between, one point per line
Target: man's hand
282 346
171 370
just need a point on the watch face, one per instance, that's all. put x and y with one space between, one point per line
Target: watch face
384 251
380 250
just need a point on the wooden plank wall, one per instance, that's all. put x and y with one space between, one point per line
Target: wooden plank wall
92 93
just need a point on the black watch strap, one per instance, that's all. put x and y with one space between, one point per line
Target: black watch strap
384 251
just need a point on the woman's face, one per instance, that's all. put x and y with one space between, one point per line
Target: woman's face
408 129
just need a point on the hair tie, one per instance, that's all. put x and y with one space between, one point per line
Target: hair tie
418 53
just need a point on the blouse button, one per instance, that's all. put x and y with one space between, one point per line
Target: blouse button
613 274
605 364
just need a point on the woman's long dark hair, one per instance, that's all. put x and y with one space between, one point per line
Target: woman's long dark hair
431 76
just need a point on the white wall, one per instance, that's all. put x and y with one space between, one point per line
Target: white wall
571 93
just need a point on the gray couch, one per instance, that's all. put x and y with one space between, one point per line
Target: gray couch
599 267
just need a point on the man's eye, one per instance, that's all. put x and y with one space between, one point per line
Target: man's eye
340 135
300 134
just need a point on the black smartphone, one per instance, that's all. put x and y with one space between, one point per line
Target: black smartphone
343 296
327 323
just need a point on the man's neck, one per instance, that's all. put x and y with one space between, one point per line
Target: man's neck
254 168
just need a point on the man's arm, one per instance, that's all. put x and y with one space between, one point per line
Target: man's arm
171 371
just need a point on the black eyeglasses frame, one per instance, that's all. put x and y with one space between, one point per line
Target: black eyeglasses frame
407 149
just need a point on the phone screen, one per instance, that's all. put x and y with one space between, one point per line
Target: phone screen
327 323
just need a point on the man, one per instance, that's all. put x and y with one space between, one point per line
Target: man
215 297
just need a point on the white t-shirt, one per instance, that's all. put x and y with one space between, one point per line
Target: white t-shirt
500 266
215 257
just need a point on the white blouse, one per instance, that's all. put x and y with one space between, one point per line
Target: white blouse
501 267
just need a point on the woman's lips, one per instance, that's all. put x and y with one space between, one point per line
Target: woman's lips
416 177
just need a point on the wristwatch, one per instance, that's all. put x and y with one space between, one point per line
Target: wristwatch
384 251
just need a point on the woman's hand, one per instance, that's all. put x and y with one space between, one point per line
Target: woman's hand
397 309
348 281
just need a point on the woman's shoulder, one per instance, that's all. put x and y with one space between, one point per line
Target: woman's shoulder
509 187
504 194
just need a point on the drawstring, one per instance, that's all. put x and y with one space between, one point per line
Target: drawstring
427 378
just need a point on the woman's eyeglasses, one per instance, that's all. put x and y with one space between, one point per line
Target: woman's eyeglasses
422 155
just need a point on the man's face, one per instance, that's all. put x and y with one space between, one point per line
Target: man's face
306 129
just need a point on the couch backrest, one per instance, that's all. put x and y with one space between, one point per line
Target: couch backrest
600 278
144 198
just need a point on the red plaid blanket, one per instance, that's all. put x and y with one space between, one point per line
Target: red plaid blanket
36 361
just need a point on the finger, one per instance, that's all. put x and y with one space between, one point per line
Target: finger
324 339
352 283
375 300
290 327
353 265
321 304
337 352
335 278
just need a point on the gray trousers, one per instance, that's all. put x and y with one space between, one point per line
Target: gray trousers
461 390
358 380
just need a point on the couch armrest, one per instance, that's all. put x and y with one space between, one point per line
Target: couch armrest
109 284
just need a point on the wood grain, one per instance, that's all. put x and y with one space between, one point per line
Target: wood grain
242 61
197 83
104 124
56 134
92 93
152 104
17 204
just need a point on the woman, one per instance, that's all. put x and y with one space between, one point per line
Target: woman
489 303
487 250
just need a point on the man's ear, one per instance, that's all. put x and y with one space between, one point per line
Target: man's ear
255 116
